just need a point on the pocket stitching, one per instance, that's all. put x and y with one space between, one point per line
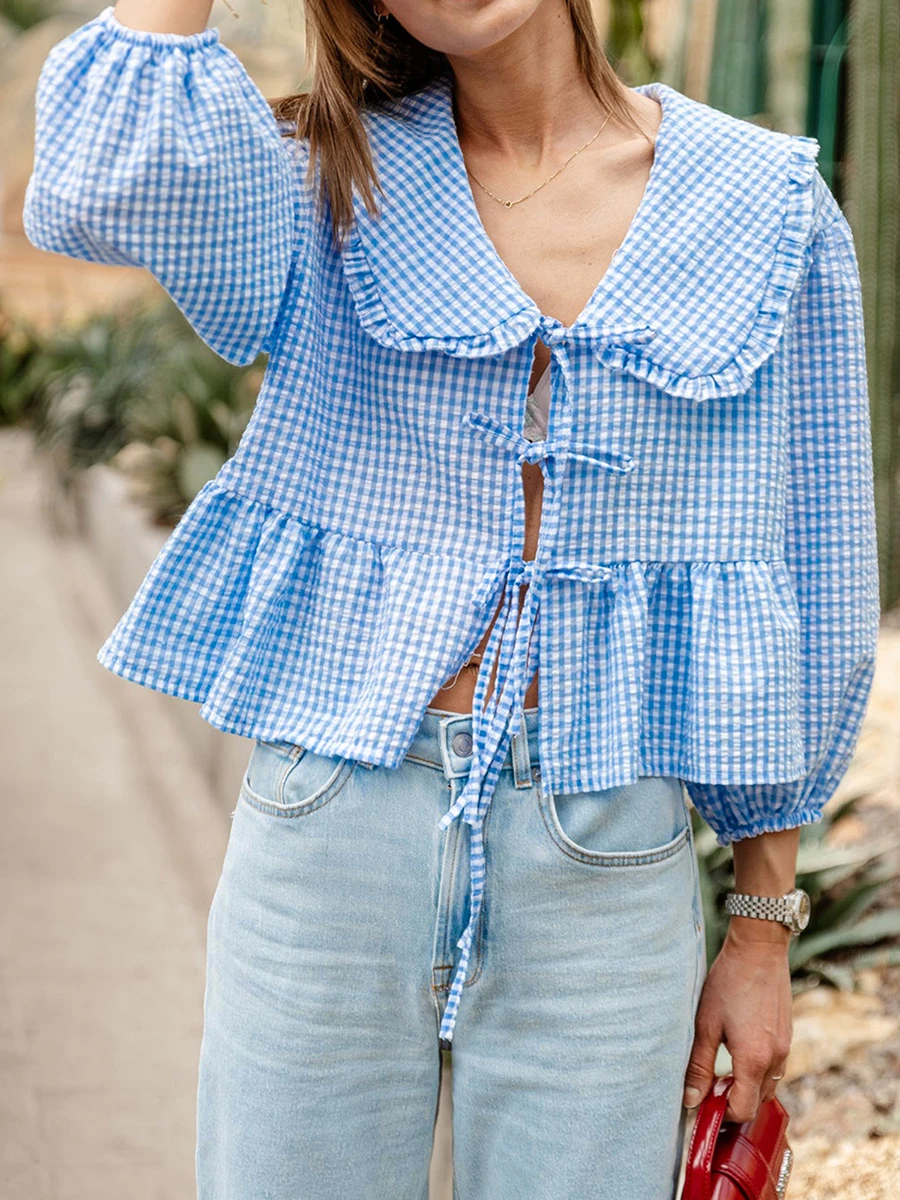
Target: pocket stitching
328 790
603 858
289 749
700 963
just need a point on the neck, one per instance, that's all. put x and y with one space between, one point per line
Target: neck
526 97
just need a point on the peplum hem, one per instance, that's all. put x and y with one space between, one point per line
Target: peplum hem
283 630
286 631
699 661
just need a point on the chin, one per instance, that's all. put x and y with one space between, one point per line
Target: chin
462 27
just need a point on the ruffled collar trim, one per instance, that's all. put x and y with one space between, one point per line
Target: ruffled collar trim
694 300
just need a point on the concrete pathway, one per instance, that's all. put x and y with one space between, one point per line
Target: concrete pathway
111 847
109 854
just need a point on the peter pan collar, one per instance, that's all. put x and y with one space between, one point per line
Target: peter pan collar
694 300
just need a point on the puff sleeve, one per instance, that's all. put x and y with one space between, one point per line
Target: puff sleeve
830 542
157 150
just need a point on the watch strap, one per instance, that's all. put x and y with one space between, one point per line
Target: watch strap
770 908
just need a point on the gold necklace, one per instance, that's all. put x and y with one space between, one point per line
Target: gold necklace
528 195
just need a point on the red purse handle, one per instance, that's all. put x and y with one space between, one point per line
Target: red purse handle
708 1122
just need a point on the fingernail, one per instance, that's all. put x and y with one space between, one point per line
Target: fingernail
692 1097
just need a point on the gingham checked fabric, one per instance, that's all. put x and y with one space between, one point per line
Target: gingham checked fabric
704 598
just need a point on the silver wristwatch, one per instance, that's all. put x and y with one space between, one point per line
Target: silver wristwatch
791 909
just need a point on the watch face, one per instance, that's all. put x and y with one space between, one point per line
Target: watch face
801 908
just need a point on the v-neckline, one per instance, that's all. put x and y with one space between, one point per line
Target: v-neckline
626 248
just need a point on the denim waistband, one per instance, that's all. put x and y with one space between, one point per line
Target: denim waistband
444 740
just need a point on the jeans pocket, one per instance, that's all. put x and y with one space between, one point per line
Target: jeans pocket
630 826
287 780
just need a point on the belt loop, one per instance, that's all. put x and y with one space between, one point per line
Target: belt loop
520 755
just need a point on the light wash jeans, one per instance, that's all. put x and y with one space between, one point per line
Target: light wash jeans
331 947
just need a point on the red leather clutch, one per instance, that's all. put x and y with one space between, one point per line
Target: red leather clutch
727 1160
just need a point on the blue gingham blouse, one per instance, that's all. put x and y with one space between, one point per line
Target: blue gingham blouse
704 598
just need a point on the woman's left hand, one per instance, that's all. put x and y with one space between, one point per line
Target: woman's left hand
745 1003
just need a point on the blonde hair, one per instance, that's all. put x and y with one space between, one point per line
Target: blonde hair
355 66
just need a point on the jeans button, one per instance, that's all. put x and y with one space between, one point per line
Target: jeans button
535 772
462 744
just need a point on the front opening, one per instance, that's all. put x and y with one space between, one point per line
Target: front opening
457 694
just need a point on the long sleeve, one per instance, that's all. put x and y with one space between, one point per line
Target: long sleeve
157 150
830 543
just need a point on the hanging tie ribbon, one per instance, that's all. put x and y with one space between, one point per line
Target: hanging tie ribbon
509 651
508 664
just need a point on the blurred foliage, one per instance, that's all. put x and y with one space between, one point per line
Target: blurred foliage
191 424
20 353
25 13
137 389
844 885
626 44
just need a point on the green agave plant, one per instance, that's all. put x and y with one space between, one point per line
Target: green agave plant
88 383
193 423
138 389
844 884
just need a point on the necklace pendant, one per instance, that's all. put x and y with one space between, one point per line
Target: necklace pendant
507 203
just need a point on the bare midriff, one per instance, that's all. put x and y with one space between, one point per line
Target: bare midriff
457 693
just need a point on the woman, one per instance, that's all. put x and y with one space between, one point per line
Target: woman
596 425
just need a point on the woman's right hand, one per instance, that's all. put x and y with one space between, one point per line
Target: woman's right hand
745 1003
